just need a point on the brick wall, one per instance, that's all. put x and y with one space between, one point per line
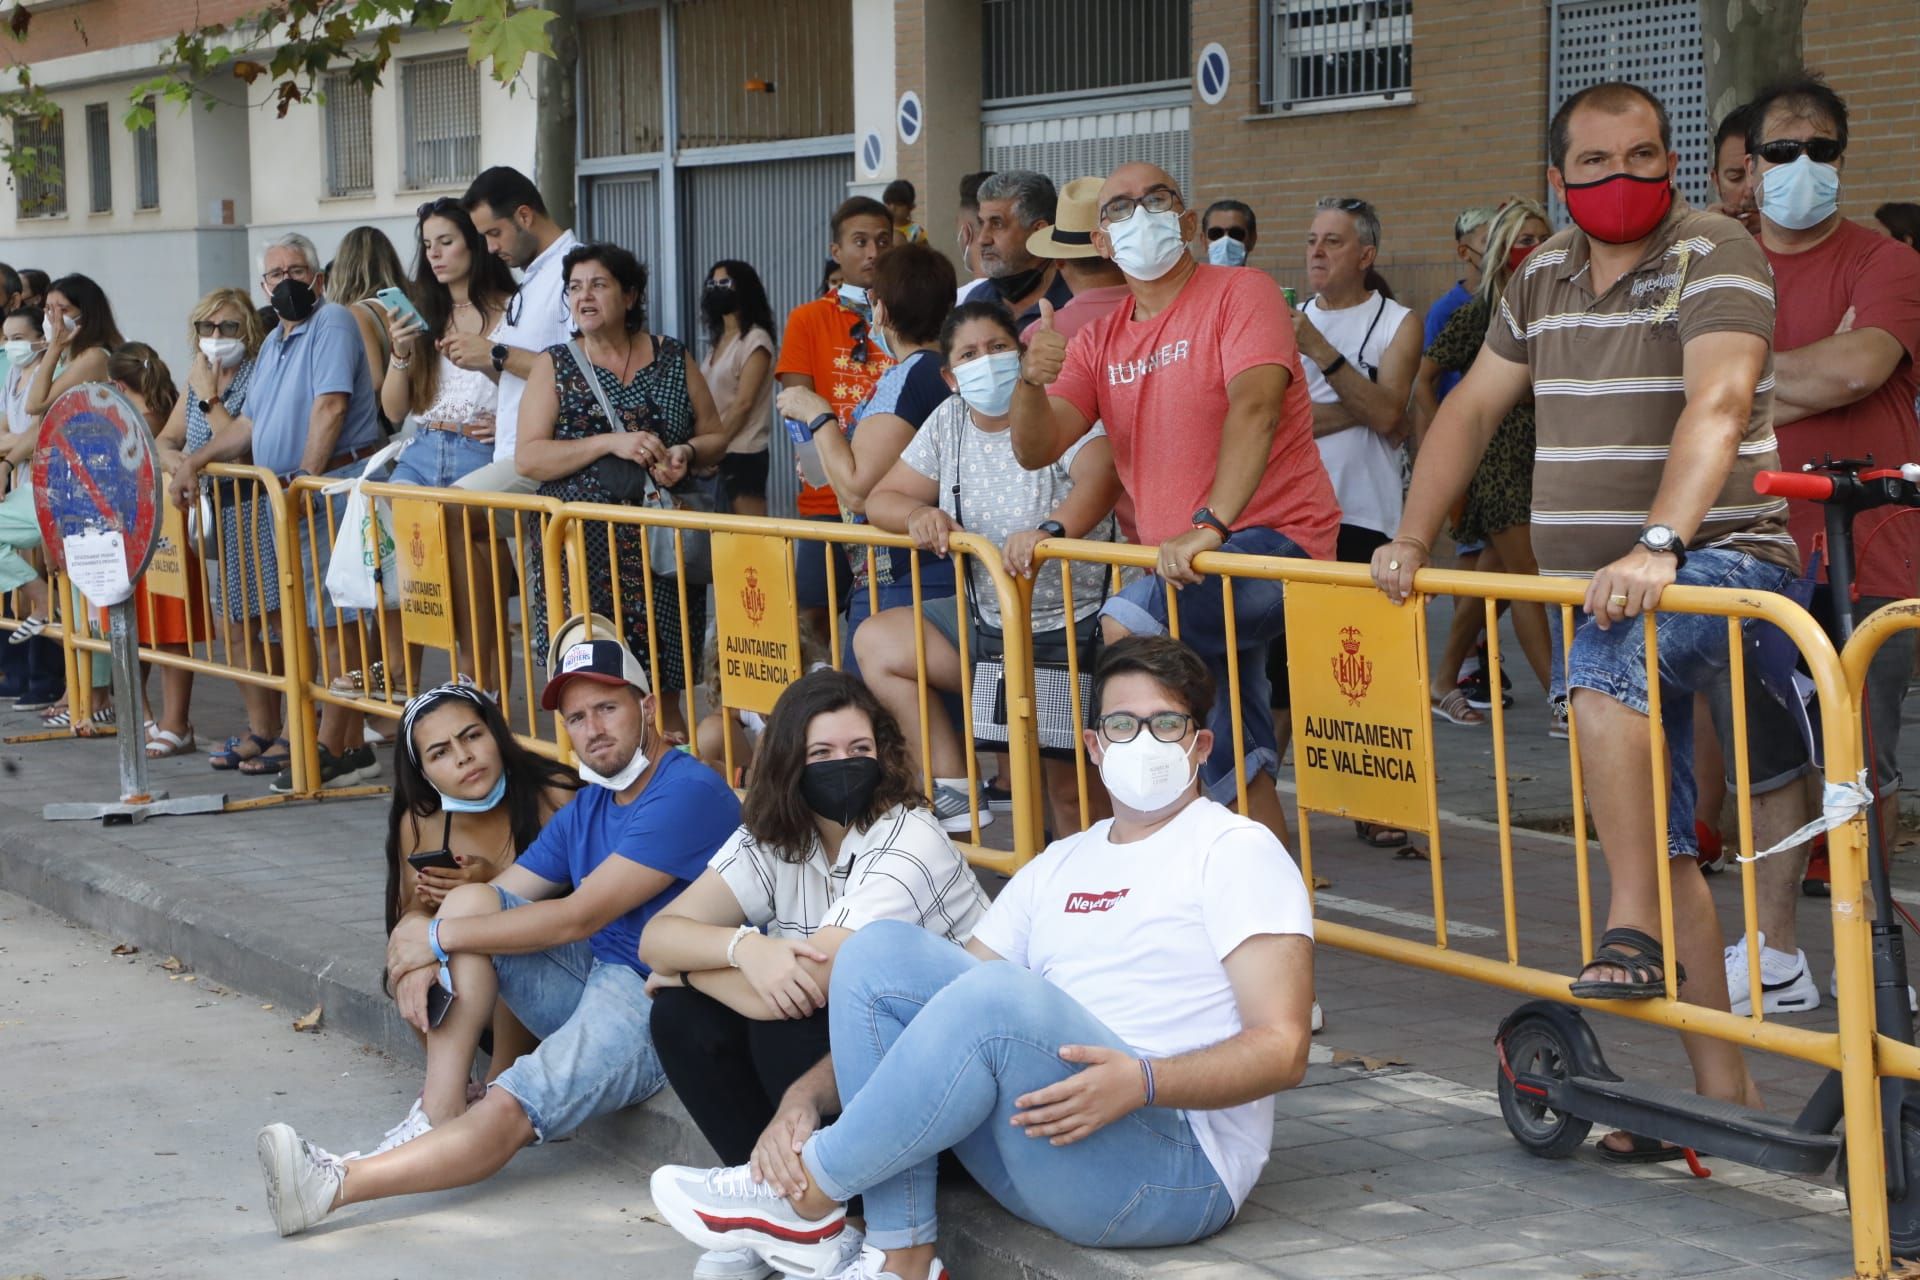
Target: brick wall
108 24
1865 48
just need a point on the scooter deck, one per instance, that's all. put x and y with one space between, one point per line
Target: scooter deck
1765 1139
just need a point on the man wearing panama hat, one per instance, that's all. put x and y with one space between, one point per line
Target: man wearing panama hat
556 936
1098 285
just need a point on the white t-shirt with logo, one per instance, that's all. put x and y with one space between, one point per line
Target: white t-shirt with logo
1364 467
1136 933
536 318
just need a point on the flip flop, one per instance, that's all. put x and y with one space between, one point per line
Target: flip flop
1641 1151
165 743
228 759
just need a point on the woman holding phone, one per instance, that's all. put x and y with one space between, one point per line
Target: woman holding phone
467 801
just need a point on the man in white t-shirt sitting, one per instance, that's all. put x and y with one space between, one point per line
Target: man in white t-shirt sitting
1156 969
1360 355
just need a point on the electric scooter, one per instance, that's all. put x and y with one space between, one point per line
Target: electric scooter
1554 1083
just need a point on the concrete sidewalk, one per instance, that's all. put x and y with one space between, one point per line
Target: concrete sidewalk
1390 1160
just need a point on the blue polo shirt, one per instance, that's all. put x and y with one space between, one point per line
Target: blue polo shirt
675 825
1437 316
323 355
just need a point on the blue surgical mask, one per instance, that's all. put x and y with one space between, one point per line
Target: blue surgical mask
486 803
1799 195
1226 252
879 335
986 382
852 295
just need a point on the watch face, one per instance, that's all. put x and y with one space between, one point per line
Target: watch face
1659 537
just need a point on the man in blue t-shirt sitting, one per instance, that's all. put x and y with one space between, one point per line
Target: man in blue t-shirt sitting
569 967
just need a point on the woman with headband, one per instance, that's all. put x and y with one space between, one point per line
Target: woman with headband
467 801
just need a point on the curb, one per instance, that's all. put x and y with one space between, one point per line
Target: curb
119 894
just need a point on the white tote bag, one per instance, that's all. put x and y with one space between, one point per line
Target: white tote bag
363 573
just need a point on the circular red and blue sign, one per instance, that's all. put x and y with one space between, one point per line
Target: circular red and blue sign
96 471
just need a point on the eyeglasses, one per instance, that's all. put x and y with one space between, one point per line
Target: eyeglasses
1156 200
1345 204
223 328
275 276
1237 233
445 204
1124 726
1787 150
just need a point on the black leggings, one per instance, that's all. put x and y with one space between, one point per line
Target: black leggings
731 1070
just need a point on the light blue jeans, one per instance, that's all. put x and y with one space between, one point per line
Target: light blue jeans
596 1051
930 1049
434 458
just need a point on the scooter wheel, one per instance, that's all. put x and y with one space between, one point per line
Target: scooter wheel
1535 1047
1903 1215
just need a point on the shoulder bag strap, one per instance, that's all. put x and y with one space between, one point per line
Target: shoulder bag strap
593 385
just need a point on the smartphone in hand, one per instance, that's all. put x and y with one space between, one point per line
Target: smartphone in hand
397 303
437 859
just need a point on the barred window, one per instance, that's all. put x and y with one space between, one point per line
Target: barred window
349 128
1329 50
440 121
40 144
146 164
99 159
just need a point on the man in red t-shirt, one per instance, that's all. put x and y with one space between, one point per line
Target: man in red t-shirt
829 348
1198 382
1846 335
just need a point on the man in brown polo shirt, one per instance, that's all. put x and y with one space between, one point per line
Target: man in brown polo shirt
1643 333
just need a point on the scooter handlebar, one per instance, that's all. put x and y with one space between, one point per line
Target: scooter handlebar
1809 485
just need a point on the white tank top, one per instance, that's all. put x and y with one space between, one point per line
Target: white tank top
1365 469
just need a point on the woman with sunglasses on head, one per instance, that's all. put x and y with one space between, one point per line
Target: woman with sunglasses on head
739 368
835 835
467 801
1498 508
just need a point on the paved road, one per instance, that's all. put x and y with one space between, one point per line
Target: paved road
132 1101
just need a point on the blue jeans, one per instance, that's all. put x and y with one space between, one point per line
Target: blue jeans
435 458
930 1049
596 1051
1693 652
1259 615
320 610
936 583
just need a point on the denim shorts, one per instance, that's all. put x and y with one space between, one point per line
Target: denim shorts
435 458
1693 653
596 1050
1259 613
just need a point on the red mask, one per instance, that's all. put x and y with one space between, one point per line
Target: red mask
1621 207
1517 255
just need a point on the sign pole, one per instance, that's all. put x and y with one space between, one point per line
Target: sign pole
124 656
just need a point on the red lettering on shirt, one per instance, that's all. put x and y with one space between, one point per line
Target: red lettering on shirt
1079 904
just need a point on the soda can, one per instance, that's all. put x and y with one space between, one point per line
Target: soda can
1293 295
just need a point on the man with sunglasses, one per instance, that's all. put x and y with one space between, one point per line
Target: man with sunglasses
1197 379
1231 232
1846 334
1103 1053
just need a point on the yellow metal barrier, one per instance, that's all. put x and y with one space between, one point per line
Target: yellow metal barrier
1850 1050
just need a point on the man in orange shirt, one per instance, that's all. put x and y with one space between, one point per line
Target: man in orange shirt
829 349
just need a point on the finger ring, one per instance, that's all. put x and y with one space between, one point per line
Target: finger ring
1393 566
1616 599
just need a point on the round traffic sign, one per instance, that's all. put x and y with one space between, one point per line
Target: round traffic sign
872 152
1213 73
909 118
95 473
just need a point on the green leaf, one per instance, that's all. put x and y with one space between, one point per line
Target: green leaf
477 10
510 42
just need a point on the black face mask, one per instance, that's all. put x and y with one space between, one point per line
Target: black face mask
1018 285
294 300
840 790
718 301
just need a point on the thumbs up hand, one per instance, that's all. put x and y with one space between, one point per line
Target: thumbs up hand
1046 351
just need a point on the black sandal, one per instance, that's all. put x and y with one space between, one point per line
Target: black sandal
1638 1150
1639 955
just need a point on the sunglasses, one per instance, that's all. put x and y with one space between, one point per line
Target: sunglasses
859 332
1237 233
1787 150
445 204
222 328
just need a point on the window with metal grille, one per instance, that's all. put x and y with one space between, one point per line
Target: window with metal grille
621 111
40 147
1054 48
1652 43
1330 50
440 121
99 159
349 128
146 164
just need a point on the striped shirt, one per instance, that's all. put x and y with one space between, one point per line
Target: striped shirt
903 867
1609 387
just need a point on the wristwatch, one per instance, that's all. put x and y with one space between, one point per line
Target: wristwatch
819 424
1658 537
206 406
1052 528
499 357
1205 519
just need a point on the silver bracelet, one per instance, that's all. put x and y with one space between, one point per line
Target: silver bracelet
733 944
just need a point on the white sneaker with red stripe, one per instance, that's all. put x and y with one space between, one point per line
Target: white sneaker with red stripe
870 1265
728 1209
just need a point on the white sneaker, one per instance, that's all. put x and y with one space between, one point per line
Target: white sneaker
731 1264
415 1124
852 1239
727 1209
1786 985
302 1180
1557 727
950 806
867 1266
1833 989
1318 1020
